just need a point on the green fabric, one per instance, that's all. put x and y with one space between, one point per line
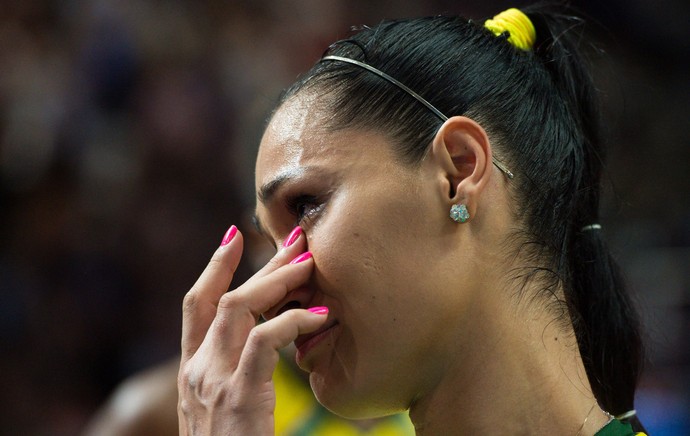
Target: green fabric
616 428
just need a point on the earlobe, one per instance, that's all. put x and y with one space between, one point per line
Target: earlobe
463 149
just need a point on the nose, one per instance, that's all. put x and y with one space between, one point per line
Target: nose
299 298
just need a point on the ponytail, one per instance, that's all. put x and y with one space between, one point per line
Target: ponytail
604 318
606 323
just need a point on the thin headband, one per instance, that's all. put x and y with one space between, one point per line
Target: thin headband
416 96
590 227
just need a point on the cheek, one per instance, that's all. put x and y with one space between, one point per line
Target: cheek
370 249
354 238
370 266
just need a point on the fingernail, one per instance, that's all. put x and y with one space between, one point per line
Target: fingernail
302 257
232 231
292 237
319 310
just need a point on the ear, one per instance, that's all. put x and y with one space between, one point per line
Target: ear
462 148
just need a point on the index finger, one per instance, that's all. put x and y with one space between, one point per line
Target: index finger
200 304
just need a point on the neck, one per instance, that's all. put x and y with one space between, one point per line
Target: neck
525 377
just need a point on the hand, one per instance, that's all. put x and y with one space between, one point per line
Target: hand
225 379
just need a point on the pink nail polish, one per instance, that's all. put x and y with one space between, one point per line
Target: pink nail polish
232 231
292 237
319 310
301 258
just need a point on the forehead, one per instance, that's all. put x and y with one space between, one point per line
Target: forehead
295 139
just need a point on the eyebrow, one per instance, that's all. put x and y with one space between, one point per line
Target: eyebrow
266 193
268 190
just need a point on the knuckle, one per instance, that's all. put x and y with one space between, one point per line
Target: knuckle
229 300
258 339
215 261
195 388
190 301
187 379
220 262
293 316
274 263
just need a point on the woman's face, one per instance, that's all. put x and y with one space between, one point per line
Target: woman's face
384 263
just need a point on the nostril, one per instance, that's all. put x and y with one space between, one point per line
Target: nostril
289 305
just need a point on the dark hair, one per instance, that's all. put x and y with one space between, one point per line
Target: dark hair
540 110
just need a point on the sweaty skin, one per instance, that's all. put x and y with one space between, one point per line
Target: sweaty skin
366 232
422 311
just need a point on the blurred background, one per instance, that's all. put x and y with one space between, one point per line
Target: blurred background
127 136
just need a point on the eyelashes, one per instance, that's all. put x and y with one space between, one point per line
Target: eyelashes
305 208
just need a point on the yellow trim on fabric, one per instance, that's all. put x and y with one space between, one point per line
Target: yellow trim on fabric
296 407
294 401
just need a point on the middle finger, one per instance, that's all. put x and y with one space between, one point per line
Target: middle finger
239 309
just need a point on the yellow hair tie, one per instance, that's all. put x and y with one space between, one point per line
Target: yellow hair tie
518 26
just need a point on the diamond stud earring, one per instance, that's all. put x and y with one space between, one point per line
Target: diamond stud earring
459 213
